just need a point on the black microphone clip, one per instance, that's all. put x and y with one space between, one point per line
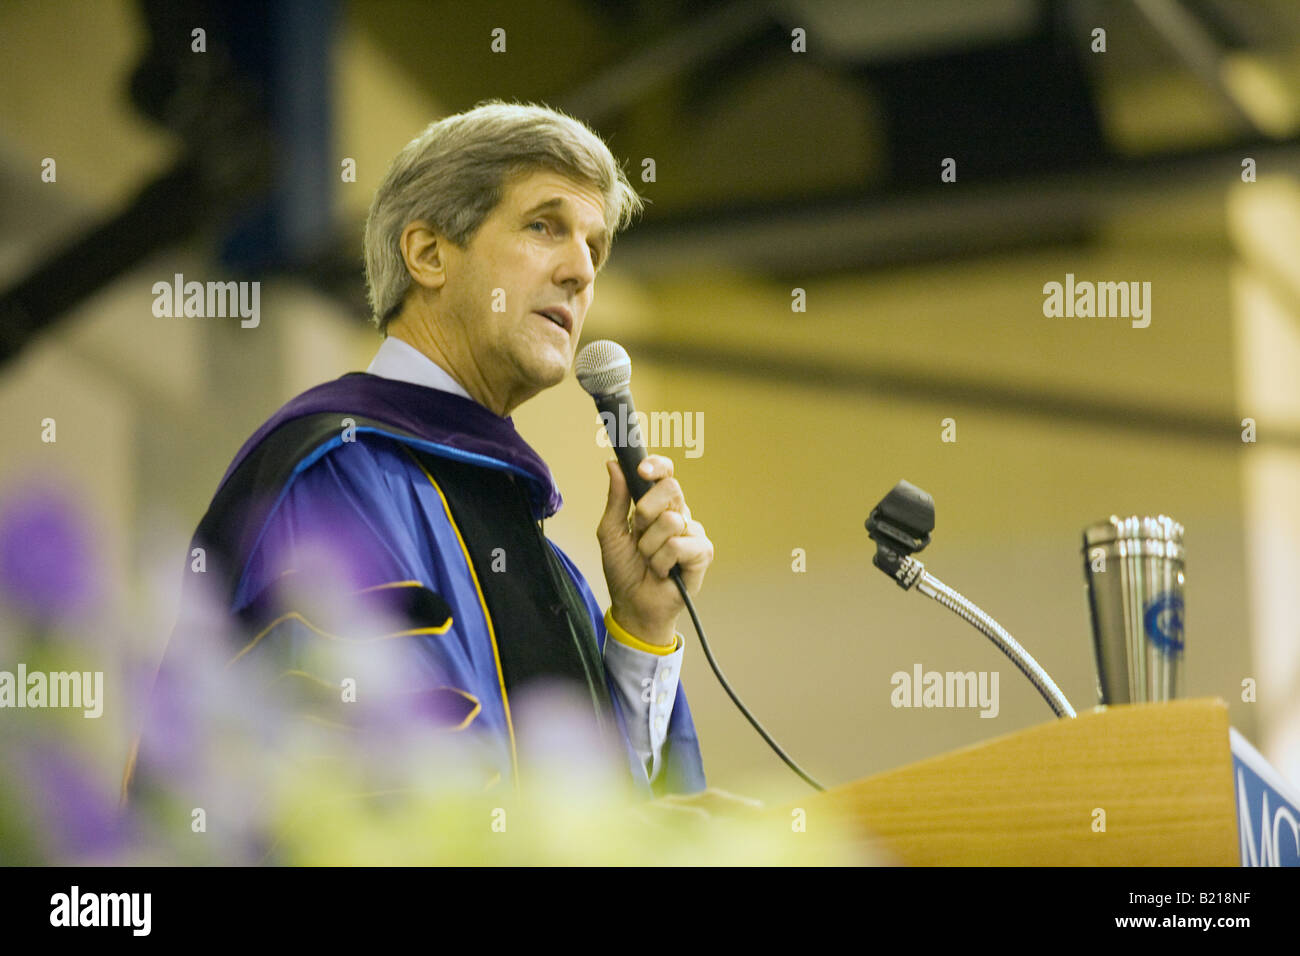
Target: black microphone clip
900 525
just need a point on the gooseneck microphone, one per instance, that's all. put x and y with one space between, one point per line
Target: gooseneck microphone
604 371
901 525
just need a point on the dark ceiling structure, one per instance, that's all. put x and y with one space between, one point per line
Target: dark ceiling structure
768 157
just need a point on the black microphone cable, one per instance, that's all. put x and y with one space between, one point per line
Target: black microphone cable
604 371
676 575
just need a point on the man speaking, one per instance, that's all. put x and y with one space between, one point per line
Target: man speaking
482 248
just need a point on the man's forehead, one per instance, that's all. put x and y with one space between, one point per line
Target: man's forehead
545 192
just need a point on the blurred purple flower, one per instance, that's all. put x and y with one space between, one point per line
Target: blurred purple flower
81 819
555 731
169 736
47 565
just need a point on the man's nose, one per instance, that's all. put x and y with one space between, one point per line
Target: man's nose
576 268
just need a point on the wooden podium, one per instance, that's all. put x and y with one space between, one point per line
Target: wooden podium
1134 785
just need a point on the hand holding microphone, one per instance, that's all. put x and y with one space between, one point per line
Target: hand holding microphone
655 564
661 541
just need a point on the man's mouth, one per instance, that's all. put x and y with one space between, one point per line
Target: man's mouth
559 315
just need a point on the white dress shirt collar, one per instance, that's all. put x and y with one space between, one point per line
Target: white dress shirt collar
405 363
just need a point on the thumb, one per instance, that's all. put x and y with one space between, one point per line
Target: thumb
614 520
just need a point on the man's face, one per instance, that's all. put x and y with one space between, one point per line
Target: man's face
537 251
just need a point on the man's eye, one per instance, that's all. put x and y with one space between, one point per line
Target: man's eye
537 223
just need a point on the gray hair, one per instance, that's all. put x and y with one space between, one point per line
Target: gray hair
455 172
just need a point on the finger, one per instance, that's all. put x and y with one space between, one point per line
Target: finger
668 525
729 805
666 495
614 520
693 554
655 467
673 808
726 796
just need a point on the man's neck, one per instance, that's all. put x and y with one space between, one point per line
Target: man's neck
424 337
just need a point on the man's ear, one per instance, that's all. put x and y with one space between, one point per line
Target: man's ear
422 249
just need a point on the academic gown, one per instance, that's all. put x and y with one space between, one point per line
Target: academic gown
424 490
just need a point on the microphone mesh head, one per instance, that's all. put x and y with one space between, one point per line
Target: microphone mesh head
603 367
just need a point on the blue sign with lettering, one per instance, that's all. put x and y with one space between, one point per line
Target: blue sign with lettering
1268 818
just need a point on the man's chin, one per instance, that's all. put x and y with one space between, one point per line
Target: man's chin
551 371
556 376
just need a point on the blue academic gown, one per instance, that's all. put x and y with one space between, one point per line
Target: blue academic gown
339 458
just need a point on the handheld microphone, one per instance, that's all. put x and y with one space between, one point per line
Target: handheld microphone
604 370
